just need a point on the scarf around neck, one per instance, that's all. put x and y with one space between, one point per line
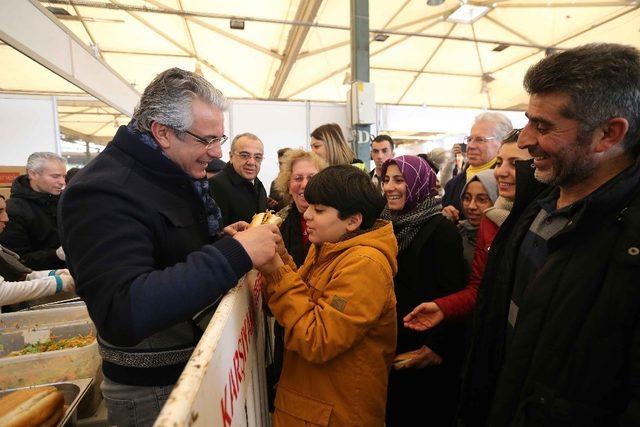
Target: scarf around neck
500 211
200 186
407 225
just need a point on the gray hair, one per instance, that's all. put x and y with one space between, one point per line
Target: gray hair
36 161
242 135
602 81
502 124
168 100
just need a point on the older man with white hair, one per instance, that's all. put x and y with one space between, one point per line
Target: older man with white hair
483 142
32 231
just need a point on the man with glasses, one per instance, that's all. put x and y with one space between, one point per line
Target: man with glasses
144 241
487 132
237 189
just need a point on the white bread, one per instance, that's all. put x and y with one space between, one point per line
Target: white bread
39 406
402 359
267 217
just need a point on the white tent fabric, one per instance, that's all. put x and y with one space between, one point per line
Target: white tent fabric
425 60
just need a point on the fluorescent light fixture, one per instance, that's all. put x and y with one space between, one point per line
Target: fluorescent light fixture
468 14
434 2
381 37
236 24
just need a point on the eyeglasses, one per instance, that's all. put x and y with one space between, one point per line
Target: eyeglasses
246 156
300 178
207 141
478 139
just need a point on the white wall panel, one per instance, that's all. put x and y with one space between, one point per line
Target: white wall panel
27 124
280 125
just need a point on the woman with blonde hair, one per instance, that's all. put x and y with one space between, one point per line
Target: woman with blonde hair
298 167
328 142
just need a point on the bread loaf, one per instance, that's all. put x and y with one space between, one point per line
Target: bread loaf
39 406
265 218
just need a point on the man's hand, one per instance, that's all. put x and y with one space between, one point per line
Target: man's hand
424 357
236 227
424 317
259 242
451 213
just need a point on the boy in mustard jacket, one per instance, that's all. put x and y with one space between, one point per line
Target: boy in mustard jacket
338 308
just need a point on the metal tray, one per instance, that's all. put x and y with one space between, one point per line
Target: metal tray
73 391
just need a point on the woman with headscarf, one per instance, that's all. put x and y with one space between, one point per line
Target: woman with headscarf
430 264
478 195
328 142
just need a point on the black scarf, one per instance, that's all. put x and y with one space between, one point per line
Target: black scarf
406 225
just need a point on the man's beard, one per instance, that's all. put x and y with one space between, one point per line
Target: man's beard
572 165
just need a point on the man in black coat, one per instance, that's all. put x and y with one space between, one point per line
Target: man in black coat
556 337
237 189
144 242
32 231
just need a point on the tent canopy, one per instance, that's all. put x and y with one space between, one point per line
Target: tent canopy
300 50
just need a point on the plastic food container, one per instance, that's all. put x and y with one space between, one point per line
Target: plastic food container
22 328
73 392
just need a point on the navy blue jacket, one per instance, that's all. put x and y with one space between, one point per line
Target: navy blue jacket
135 234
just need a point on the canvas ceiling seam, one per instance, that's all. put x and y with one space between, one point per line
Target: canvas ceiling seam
567 38
426 64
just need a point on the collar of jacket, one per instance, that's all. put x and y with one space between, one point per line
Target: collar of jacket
236 179
21 189
379 237
151 160
609 202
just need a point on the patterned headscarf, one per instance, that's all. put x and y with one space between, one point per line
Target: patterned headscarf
419 177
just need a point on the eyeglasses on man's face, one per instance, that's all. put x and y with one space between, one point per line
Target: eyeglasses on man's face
245 156
208 142
478 139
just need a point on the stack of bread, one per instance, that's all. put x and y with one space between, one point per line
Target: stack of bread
38 406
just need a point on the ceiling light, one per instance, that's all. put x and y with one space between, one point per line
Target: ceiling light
434 2
381 37
500 47
58 11
236 24
468 14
